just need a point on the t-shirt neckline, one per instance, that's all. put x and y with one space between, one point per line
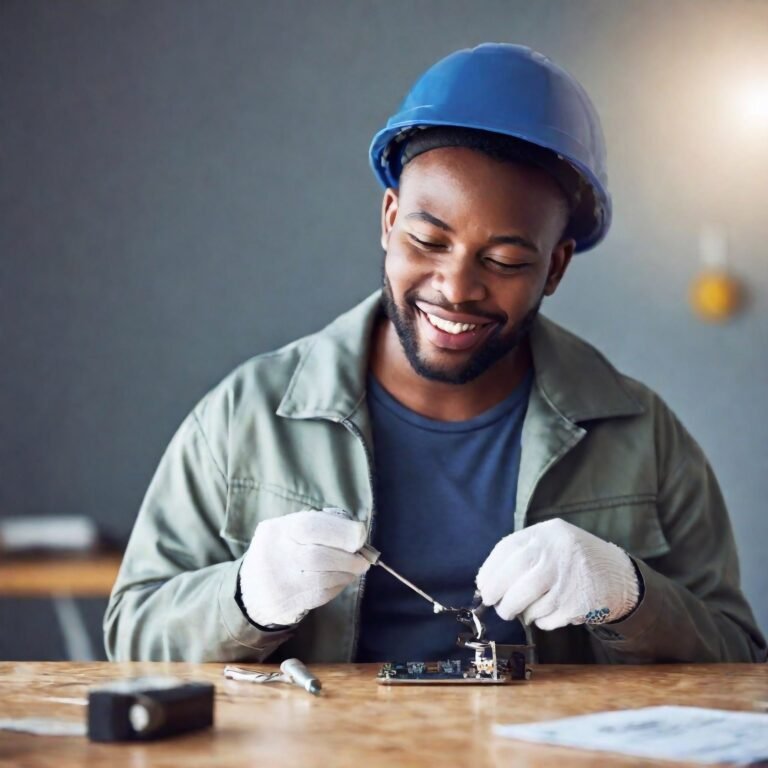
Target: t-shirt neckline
496 412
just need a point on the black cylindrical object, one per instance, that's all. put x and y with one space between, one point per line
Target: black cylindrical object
146 708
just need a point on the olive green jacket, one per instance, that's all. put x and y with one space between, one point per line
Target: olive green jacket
290 430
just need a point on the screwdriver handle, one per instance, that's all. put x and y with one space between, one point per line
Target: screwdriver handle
301 676
371 554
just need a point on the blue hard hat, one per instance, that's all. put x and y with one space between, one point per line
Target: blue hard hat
514 91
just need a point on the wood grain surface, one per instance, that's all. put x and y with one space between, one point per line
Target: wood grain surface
357 723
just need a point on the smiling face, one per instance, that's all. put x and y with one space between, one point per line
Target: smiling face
472 246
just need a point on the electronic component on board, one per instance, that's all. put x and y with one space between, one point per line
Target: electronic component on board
493 664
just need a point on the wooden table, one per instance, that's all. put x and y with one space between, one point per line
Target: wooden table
356 723
45 576
63 579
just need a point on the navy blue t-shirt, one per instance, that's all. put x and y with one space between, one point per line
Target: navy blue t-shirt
445 495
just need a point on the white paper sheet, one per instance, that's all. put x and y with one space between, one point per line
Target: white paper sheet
663 733
43 726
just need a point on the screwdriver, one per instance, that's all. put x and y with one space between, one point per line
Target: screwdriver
373 556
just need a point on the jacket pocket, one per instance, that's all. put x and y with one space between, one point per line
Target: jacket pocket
632 523
251 501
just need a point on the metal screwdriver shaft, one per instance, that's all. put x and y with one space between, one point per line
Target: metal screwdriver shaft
373 556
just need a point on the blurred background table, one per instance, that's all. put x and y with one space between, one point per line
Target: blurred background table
46 576
356 722
64 579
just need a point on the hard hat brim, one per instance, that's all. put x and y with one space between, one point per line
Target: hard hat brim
380 155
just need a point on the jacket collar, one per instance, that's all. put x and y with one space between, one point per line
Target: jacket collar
575 378
330 379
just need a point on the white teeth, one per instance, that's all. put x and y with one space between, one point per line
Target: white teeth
448 326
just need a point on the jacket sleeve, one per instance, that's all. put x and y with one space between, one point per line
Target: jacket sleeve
693 609
174 598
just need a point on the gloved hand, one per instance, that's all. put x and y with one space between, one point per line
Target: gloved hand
298 562
554 574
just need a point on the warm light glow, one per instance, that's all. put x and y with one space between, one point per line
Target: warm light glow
753 102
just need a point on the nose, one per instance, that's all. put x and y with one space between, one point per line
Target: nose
459 280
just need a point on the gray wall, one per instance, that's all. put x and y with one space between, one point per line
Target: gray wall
185 184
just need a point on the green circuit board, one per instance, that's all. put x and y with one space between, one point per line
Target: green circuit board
493 664
448 671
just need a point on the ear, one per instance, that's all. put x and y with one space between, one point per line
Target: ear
388 215
561 258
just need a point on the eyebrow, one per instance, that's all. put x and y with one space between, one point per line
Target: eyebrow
494 239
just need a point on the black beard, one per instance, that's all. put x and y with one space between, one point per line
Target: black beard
494 349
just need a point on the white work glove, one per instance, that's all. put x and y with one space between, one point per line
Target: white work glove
298 562
554 574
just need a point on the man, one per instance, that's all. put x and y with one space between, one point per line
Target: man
446 422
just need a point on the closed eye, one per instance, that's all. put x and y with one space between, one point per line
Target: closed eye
506 267
425 243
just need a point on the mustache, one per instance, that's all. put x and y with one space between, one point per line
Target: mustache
467 307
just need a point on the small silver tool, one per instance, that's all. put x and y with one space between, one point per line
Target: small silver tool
301 676
373 556
291 671
249 676
470 617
